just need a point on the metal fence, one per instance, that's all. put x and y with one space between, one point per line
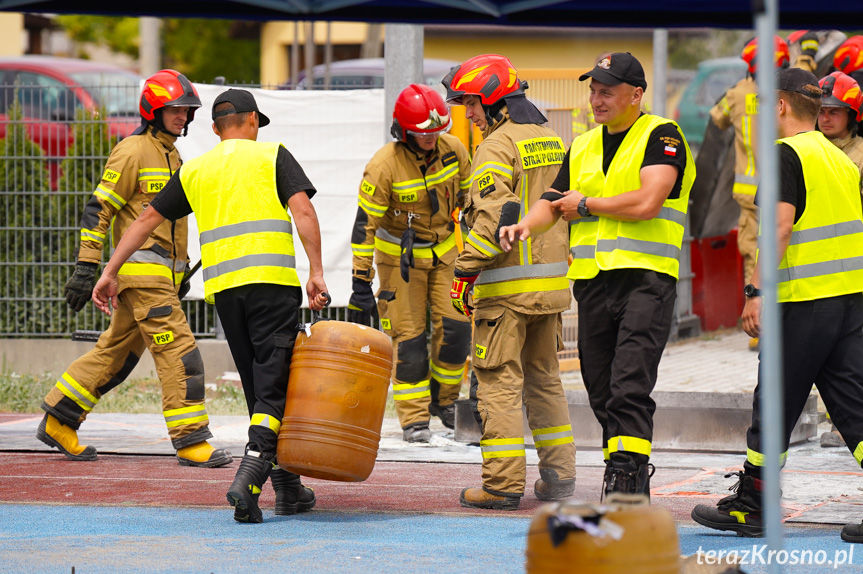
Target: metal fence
54 141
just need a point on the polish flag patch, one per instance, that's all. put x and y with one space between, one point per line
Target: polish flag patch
670 150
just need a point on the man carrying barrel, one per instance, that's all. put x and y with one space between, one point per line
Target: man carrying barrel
239 192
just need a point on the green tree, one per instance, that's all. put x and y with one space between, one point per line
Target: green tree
24 181
199 48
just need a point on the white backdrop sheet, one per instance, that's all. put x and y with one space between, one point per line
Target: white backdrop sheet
332 135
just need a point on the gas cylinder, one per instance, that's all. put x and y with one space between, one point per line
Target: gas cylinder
337 391
625 534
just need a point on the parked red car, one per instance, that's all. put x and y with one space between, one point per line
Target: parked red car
51 90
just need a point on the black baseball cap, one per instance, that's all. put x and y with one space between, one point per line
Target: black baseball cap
243 101
799 81
618 68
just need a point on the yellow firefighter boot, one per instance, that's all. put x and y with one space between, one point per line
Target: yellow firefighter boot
54 433
203 455
479 498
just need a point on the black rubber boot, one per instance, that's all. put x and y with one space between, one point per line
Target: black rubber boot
246 488
291 495
549 487
445 414
852 533
740 512
623 474
417 432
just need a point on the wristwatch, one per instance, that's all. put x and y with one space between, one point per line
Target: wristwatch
582 207
751 291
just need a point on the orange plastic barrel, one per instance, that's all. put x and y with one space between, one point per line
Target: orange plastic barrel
337 391
630 536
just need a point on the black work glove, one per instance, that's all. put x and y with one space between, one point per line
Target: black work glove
362 307
79 287
407 259
186 283
809 44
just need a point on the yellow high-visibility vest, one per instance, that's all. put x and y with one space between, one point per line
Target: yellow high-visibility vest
246 233
602 243
825 254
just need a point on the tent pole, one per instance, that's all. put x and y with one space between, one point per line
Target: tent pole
660 71
403 61
766 17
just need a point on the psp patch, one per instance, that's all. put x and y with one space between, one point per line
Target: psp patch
368 188
485 184
163 338
751 104
155 186
481 351
111 175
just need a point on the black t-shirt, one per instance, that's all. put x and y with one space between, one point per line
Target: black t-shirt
664 147
792 186
171 201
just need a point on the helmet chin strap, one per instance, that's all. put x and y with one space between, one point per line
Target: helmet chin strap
412 144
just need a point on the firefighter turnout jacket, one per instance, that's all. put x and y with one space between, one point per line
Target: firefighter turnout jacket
137 169
852 146
738 108
400 189
513 167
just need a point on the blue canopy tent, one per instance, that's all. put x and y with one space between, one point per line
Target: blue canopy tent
766 15
607 13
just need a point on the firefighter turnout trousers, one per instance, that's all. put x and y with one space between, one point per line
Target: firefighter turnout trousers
747 233
515 357
624 319
145 318
421 376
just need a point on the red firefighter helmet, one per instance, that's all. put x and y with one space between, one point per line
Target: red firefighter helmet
841 91
849 56
489 76
419 110
168 88
781 57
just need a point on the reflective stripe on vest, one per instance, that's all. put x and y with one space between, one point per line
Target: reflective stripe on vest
391 245
539 277
606 243
824 257
243 241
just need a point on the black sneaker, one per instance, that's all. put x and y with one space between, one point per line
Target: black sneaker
852 533
740 512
